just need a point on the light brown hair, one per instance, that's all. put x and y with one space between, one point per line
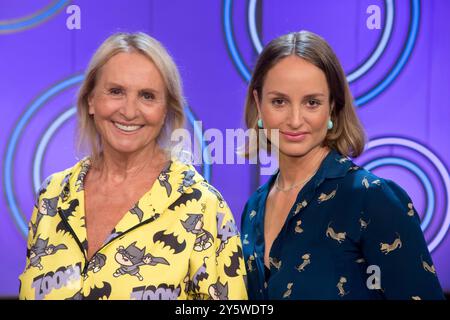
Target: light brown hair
347 135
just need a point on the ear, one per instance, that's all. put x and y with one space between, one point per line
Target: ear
256 98
331 108
90 104
166 112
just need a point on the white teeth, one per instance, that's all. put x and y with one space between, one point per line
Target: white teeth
127 128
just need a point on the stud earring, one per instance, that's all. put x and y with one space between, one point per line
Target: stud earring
330 124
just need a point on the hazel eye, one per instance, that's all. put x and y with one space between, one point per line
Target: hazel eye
313 102
115 91
278 102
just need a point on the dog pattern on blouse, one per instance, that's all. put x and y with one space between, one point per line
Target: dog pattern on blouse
332 231
387 248
338 236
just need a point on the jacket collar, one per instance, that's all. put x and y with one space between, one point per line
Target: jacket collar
174 181
335 165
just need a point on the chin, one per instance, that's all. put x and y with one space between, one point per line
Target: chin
129 145
126 148
293 154
294 150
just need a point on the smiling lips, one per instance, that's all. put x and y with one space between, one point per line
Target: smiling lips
294 136
127 127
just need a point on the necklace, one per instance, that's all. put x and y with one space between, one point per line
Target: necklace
293 186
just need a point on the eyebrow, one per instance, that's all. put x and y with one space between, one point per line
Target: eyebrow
311 95
277 93
115 84
314 95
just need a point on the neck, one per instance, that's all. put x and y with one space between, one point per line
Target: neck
294 170
117 167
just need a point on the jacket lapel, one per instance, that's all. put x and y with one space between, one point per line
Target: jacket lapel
174 186
71 204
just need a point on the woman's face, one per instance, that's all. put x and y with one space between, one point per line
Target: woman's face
295 100
128 103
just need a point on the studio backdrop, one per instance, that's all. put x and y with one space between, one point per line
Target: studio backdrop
395 55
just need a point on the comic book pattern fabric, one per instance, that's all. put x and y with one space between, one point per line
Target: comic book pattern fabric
179 241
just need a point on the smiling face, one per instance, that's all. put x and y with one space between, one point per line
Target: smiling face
128 103
295 100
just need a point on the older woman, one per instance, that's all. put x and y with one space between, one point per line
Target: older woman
130 221
322 227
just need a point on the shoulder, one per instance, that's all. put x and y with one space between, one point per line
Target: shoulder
191 178
374 189
55 182
213 207
209 191
377 187
208 194
366 181
380 195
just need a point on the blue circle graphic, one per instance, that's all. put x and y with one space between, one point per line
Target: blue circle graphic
20 24
364 98
410 166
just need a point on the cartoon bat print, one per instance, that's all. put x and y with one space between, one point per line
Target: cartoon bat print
44 186
218 291
163 179
195 194
187 180
66 188
66 214
137 211
62 227
169 240
232 269
47 207
97 262
199 275
98 293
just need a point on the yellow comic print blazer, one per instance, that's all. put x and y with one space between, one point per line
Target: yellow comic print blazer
179 241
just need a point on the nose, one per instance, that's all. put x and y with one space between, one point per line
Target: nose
129 109
295 117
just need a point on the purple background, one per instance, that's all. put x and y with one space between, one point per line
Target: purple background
415 106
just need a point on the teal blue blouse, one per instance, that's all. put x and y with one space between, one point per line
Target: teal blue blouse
349 235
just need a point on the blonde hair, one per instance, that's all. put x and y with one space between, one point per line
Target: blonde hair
347 135
88 136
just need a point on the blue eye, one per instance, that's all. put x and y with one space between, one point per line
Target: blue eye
148 95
